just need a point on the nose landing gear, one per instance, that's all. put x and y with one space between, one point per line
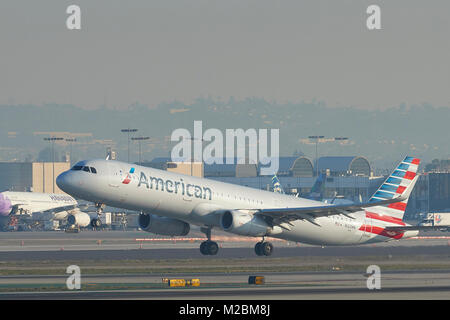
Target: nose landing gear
96 223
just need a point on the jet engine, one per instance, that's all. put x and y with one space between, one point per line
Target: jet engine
163 225
80 219
244 224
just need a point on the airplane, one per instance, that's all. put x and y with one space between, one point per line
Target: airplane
276 185
170 202
45 205
316 191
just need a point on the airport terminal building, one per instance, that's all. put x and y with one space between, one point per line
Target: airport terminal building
31 176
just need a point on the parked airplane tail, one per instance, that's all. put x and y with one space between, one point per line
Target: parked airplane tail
319 184
5 205
399 183
277 185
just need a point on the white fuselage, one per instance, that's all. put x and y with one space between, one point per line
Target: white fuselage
34 202
196 201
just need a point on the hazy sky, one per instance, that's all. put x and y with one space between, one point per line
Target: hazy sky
159 50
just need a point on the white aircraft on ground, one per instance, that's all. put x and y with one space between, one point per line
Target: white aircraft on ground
315 193
47 206
170 202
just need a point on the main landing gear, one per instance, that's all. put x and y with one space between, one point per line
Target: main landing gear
96 223
263 248
208 247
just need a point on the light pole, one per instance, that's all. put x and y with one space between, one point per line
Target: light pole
193 153
316 138
139 139
52 141
128 131
71 140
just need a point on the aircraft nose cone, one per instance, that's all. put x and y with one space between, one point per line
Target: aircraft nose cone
61 181
64 181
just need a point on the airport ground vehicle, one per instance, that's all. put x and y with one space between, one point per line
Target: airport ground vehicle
436 219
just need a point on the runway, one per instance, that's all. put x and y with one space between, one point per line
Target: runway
108 245
173 252
116 266
415 293
283 286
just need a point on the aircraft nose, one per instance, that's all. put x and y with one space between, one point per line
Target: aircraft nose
66 181
61 181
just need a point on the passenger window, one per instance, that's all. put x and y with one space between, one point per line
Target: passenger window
86 169
93 170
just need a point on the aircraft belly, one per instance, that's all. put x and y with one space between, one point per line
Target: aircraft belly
329 232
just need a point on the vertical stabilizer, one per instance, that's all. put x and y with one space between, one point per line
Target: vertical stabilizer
276 185
399 183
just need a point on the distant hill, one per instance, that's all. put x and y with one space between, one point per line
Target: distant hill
384 137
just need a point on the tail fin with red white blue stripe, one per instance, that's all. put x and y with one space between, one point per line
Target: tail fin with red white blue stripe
394 186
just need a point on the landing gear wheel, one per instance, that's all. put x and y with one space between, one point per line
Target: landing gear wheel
209 248
213 248
258 249
96 223
264 248
267 248
203 248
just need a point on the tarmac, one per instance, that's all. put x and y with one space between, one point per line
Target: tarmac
281 286
410 269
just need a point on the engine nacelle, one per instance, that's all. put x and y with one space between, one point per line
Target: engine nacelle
163 225
244 224
80 219
60 215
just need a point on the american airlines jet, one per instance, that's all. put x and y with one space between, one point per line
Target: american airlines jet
170 202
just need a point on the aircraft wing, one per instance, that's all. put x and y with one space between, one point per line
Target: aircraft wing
60 209
278 216
15 208
281 215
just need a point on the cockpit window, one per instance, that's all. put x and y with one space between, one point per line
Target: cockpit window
84 168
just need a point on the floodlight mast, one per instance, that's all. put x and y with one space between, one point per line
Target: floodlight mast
139 139
316 139
128 131
52 142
